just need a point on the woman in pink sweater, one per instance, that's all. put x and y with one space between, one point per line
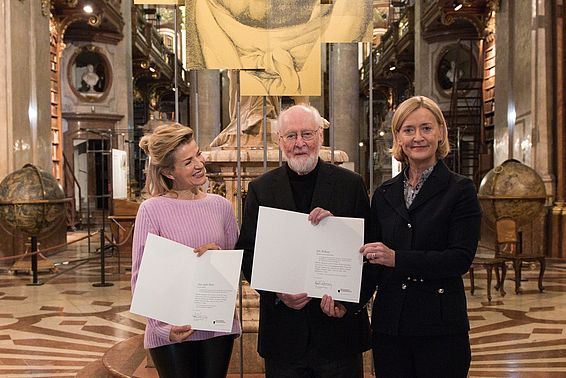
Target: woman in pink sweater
180 211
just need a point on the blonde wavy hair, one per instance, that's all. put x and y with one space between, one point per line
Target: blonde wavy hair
407 107
160 145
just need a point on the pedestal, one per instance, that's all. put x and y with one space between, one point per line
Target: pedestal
558 231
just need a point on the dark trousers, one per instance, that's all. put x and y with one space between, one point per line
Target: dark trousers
194 359
421 356
315 365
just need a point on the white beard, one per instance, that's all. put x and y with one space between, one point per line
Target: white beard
302 165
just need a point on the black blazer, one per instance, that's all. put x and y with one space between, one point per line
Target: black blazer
285 333
435 242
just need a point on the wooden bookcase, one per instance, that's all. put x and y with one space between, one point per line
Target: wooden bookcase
55 103
489 93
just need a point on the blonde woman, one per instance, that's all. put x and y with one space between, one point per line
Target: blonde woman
180 211
424 230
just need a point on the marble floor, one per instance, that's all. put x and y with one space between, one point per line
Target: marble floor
57 329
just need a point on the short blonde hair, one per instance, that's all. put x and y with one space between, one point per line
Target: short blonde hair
160 145
407 107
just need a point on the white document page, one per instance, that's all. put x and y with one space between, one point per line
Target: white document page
177 287
293 256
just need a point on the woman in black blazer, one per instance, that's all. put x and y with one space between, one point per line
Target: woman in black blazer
425 226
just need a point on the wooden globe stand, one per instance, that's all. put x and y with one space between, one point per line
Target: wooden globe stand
32 265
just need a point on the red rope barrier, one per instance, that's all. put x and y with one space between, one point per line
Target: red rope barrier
43 251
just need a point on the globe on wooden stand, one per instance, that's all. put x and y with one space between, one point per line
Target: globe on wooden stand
513 195
32 202
512 190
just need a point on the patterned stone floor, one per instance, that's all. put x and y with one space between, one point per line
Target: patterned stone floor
56 329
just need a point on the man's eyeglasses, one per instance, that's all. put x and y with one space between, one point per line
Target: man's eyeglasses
307 135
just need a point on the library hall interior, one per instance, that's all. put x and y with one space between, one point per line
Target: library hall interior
282 188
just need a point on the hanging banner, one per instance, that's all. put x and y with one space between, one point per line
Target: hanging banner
160 2
275 43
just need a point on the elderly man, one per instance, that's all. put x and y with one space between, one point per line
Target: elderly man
295 337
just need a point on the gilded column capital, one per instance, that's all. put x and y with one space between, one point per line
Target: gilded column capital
45 7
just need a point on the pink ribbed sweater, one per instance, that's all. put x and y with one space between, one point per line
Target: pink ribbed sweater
189 222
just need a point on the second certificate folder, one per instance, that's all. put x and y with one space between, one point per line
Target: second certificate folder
293 256
177 287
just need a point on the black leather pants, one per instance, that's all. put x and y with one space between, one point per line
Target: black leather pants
194 359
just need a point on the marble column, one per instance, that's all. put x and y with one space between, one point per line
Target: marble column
345 101
5 100
523 119
25 132
205 116
542 94
25 135
542 100
123 81
504 71
558 216
424 74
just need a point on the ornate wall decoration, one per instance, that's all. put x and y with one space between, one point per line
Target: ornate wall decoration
477 12
454 62
89 74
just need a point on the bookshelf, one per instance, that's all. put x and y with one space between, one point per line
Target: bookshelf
489 93
55 102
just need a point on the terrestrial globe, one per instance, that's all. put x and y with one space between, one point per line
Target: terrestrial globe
512 190
31 201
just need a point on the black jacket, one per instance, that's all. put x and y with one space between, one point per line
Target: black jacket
435 242
285 333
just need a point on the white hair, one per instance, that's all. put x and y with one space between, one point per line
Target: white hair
316 117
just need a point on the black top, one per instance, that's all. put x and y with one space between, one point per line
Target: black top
302 187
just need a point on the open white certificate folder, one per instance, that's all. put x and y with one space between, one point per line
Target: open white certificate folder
293 256
177 287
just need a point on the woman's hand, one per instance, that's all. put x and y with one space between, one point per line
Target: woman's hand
205 247
332 308
294 301
379 253
317 214
179 334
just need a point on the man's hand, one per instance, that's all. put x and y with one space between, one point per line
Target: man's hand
179 334
294 301
332 308
205 247
317 214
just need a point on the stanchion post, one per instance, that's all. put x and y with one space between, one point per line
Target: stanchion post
35 281
102 282
239 208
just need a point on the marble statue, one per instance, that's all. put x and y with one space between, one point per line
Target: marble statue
90 78
251 119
